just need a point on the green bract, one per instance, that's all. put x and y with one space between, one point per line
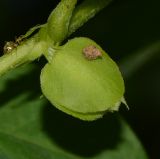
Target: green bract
82 87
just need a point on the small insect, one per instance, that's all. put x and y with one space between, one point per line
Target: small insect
10 45
19 40
92 52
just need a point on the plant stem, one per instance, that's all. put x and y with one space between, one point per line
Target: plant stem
38 45
86 11
24 53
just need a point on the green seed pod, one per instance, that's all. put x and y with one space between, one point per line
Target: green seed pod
82 80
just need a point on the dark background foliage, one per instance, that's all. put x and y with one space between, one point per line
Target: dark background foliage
121 29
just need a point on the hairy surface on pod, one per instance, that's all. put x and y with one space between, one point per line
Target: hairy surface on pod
83 88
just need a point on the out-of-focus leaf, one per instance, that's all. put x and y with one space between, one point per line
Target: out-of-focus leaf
135 61
31 128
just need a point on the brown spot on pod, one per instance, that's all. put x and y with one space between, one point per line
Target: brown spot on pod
92 52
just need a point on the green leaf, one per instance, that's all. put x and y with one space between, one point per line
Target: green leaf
135 61
30 128
83 88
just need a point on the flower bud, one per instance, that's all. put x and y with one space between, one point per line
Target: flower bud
59 20
82 80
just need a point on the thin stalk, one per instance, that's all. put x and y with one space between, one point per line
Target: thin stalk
85 11
24 53
35 47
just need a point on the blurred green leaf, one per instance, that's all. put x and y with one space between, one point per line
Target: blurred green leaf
135 61
31 128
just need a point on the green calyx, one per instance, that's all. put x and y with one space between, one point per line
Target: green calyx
80 78
83 87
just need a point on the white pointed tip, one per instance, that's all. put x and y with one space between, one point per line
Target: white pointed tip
117 105
124 102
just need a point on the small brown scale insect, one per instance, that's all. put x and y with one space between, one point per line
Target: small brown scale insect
10 45
91 52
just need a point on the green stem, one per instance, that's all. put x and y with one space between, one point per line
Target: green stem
86 11
38 45
24 53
